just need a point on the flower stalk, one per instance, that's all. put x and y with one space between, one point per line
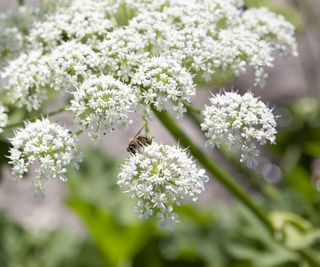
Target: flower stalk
49 114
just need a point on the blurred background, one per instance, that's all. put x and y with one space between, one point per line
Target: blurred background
88 222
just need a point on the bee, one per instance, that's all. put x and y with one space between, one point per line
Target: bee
137 142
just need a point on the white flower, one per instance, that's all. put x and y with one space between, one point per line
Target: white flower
238 47
103 103
49 146
28 78
158 36
238 122
164 83
14 26
122 52
271 27
161 177
11 42
3 118
71 63
84 21
123 38
32 75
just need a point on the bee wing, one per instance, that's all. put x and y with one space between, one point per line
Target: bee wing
138 133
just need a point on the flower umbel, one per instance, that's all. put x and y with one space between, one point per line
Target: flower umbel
161 177
239 122
103 103
48 145
163 83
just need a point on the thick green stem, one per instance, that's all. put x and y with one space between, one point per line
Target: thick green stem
21 2
214 169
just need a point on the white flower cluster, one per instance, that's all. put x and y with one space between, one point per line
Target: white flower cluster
13 26
47 145
271 27
121 38
28 77
161 177
237 48
11 42
3 118
239 122
85 22
122 52
162 81
71 63
32 75
103 103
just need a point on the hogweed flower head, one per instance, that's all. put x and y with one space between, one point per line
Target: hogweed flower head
3 118
203 37
161 177
27 78
103 103
84 21
71 63
49 146
271 27
122 52
238 122
238 47
32 75
163 83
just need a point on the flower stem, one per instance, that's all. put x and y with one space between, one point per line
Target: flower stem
214 169
55 112
21 2
49 114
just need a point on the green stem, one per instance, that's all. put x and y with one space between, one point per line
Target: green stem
191 109
214 169
77 133
21 2
20 123
55 112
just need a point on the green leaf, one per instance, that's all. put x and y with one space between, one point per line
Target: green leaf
296 232
117 242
